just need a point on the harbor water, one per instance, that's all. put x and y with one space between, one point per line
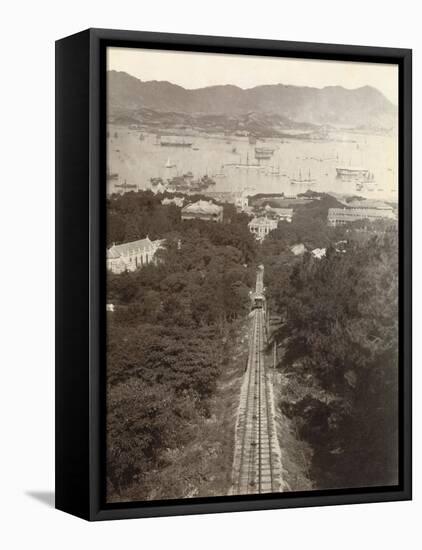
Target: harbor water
230 162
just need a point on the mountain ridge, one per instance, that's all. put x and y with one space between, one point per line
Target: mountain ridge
365 106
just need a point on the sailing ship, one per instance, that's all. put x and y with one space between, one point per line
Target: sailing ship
309 180
221 173
273 171
247 165
169 164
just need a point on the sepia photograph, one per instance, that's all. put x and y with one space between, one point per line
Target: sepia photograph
252 275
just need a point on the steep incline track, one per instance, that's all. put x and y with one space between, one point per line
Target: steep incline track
257 462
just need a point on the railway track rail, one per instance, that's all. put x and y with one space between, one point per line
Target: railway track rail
257 458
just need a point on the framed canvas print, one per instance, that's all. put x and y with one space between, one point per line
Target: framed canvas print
233 274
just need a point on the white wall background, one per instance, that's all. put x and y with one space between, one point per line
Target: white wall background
27 272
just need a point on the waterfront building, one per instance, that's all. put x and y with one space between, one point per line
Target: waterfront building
369 203
133 255
342 216
203 210
261 226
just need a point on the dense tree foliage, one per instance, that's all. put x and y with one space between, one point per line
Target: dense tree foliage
169 335
340 341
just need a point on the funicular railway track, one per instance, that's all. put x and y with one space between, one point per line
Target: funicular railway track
257 463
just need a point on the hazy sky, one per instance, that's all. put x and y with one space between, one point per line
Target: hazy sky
197 70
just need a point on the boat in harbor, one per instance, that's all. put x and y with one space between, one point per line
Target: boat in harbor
300 180
175 142
349 173
247 165
273 171
125 185
112 175
169 164
264 150
220 174
263 153
186 183
252 139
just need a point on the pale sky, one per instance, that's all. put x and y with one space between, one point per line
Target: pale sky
197 70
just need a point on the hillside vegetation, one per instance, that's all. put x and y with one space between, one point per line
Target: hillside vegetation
169 342
339 344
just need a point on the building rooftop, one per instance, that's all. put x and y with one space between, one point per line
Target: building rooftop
358 212
125 249
261 221
202 207
319 253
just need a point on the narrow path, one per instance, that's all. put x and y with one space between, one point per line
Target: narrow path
257 457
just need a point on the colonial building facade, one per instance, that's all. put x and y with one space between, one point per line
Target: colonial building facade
341 216
133 255
260 227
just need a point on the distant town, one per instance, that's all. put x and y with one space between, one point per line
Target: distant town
264 214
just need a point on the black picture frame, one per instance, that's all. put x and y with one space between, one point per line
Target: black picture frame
80 272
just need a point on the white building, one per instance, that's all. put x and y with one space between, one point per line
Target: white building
341 216
133 255
260 227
